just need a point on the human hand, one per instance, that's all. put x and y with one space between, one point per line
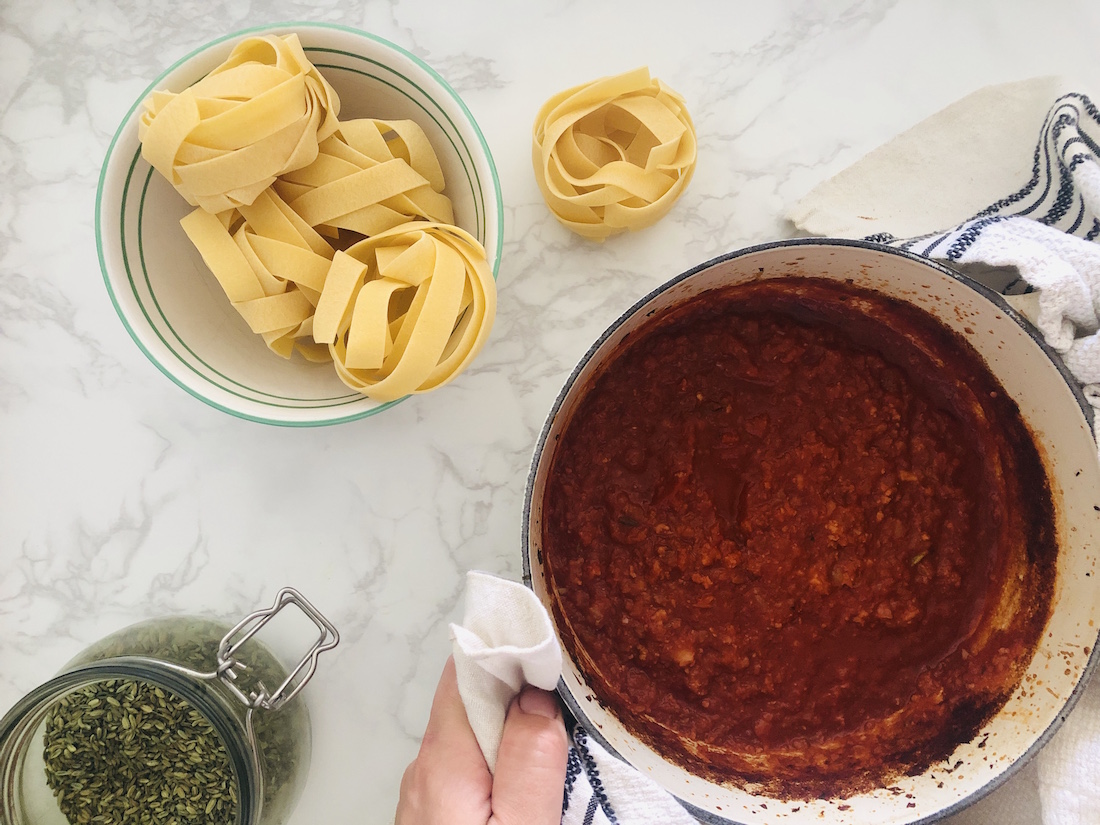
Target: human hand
449 783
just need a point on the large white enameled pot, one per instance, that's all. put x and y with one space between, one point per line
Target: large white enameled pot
1061 421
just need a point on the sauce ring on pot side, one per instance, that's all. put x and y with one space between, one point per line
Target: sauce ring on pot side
798 538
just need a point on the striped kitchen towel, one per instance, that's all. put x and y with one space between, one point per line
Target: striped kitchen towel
1038 242
600 789
1058 205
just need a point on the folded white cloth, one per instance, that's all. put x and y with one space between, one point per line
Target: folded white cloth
961 187
952 165
506 640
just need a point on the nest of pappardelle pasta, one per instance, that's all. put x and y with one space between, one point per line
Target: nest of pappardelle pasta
333 239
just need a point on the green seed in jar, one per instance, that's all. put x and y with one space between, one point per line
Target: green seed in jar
281 736
147 757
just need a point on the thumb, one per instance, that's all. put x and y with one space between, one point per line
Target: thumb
529 782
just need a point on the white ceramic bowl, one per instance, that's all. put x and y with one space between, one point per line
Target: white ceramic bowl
169 301
1055 412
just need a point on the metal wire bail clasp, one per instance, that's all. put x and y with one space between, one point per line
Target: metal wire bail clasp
229 667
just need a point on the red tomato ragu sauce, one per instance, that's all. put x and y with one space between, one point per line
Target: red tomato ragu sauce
799 536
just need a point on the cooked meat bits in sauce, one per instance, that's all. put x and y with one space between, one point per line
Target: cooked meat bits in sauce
798 536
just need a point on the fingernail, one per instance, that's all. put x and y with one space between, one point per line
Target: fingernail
539 702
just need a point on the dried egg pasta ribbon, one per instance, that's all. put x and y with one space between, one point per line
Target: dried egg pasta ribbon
406 310
224 140
271 265
614 154
370 176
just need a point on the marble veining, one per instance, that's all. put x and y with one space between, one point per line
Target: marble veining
121 497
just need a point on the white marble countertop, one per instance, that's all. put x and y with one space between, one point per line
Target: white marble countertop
122 497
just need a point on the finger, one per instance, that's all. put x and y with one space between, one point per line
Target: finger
449 780
530 777
448 736
410 802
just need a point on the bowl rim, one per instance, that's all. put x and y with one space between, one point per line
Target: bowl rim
996 298
496 199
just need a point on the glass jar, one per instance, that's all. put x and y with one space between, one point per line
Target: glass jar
178 719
